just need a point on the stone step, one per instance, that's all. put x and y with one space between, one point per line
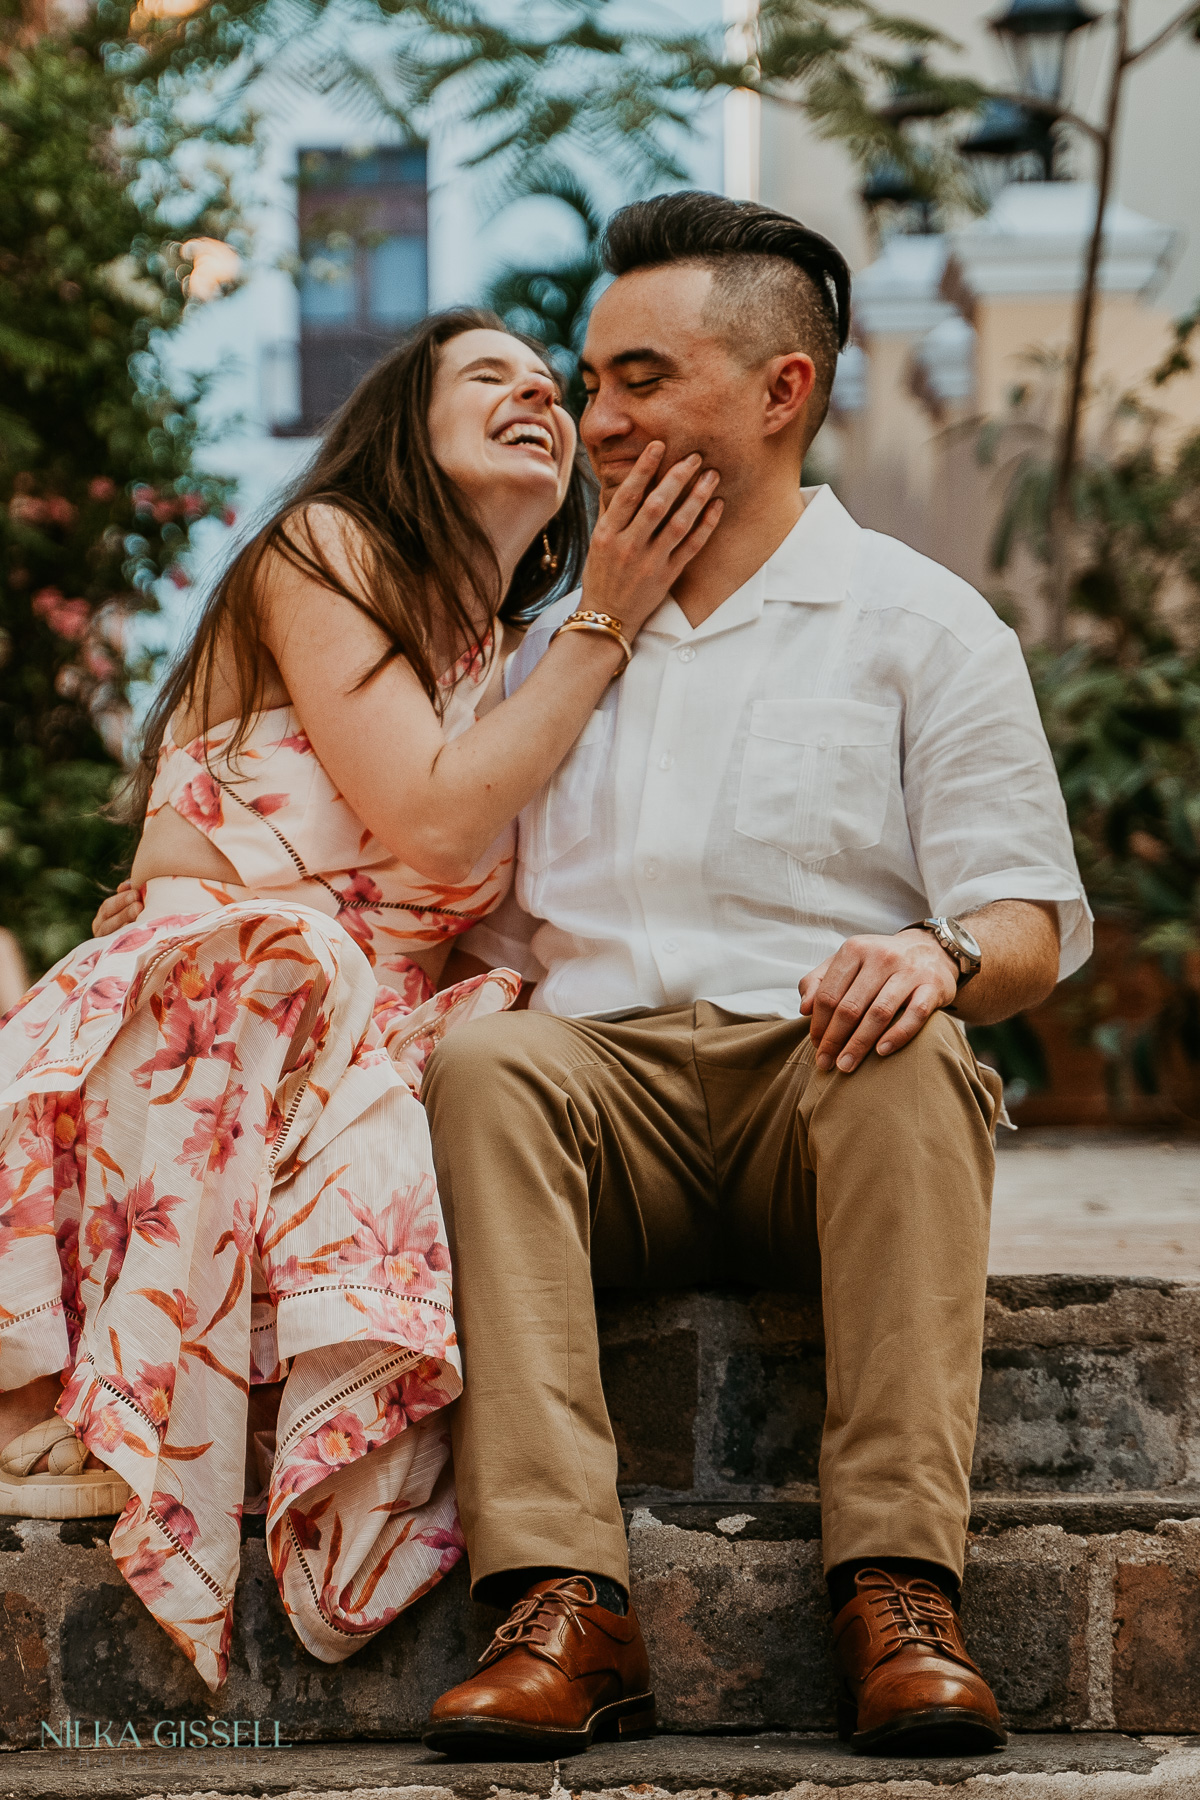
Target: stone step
1083 1612
1083 1591
1085 1766
1090 1385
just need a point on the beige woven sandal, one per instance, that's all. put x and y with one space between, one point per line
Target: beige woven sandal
67 1490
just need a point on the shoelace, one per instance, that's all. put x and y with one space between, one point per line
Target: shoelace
918 1613
531 1621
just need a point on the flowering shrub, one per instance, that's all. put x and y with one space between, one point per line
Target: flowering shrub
98 486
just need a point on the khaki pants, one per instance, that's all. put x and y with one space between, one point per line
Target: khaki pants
682 1147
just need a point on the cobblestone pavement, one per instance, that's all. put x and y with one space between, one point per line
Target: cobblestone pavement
1096 1203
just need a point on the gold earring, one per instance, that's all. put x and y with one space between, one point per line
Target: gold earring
549 558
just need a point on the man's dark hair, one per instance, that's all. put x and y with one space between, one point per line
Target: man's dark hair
777 286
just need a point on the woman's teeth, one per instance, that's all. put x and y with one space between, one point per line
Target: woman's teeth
535 435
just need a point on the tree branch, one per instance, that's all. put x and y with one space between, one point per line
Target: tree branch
1186 16
1060 115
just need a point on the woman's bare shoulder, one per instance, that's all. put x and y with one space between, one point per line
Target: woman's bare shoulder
319 549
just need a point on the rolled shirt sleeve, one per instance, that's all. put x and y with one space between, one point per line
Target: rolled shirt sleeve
985 809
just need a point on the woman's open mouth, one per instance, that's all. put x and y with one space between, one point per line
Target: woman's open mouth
527 434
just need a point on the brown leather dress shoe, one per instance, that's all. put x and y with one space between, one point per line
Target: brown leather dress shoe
560 1671
909 1687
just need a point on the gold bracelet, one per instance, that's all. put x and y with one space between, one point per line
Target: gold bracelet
586 620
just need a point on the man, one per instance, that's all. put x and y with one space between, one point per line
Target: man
746 891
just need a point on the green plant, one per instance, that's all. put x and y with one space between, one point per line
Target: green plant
98 487
1121 705
551 302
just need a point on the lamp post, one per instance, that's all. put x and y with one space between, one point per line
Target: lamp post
1038 34
889 189
1006 140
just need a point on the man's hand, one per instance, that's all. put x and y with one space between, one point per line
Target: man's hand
879 991
875 993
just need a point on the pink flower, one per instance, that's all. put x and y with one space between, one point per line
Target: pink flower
361 888
241 1232
451 1543
66 618
196 1010
149 1214
107 1229
178 1519
108 994
214 1140
57 1134
401 1243
27 509
200 803
340 1440
105 1429
287 1011
153 1388
142 1569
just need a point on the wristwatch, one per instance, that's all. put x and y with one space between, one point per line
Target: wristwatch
957 942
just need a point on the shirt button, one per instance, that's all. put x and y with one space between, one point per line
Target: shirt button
670 945
822 743
687 654
666 760
651 871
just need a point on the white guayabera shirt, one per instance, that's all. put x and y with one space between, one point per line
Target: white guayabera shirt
850 742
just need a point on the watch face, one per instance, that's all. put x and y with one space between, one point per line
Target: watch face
963 939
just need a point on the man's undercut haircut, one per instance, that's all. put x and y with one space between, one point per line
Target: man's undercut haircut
777 286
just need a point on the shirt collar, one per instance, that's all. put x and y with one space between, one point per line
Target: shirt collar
810 568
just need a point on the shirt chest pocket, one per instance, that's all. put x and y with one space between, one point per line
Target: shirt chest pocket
561 816
817 775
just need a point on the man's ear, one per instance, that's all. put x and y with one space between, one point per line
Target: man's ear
790 381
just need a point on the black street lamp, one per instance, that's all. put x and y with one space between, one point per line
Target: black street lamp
1037 36
894 202
889 192
1007 141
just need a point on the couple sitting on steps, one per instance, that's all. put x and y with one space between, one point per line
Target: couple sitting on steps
755 876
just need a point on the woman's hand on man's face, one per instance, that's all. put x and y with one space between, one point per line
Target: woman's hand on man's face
647 535
119 910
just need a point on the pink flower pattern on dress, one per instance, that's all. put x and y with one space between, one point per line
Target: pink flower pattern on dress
191 1200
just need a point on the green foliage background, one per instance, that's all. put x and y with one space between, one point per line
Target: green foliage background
98 488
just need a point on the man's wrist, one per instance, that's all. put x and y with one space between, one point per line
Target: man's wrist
925 939
957 944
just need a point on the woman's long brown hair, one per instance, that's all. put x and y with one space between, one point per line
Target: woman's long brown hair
424 556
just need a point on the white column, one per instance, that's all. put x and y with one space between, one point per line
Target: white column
743 110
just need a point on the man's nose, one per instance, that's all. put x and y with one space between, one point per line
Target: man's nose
605 418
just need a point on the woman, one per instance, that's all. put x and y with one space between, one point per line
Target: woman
214 1172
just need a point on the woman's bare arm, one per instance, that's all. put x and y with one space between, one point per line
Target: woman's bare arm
438 805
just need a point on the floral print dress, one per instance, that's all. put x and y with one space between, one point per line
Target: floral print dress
215 1172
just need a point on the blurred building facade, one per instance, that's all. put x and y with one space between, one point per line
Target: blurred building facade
356 235
951 325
